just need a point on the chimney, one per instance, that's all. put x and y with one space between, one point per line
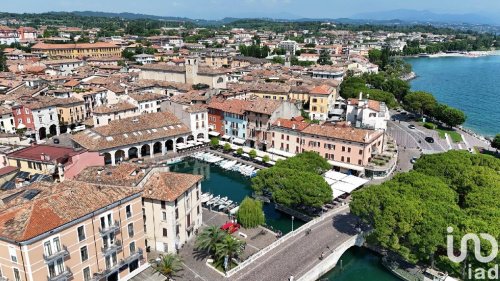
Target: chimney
293 126
279 123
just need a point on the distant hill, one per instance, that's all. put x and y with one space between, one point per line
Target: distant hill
129 16
427 16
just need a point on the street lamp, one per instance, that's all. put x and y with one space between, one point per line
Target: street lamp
292 221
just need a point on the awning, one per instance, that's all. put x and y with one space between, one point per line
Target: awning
214 133
346 166
341 183
205 140
280 152
238 141
226 137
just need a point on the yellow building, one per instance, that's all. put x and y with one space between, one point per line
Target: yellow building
99 49
321 98
71 111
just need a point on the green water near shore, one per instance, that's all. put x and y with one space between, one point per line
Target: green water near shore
235 186
359 264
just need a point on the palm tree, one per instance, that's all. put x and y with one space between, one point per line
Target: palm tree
208 238
169 265
230 247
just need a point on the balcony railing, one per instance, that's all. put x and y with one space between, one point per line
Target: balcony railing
115 247
60 254
103 274
137 255
63 276
115 227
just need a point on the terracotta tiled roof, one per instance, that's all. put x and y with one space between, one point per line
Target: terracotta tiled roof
66 202
124 174
260 105
372 104
117 107
342 132
142 97
321 90
236 106
169 186
182 69
290 124
45 46
133 130
51 153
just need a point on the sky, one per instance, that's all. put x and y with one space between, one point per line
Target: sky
217 9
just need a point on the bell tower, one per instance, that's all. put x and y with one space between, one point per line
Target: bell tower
192 69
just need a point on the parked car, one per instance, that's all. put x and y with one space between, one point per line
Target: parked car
413 160
230 227
56 141
411 126
429 139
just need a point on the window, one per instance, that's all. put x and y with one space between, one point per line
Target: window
56 268
128 211
165 232
86 274
13 254
84 253
360 151
17 275
164 216
198 209
130 228
359 162
132 247
163 205
343 148
342 159
348 159
348 149
81 233
176 213
111 260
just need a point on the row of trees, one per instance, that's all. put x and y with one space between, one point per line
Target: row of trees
296 181
412 212
425 104
477 43
352 86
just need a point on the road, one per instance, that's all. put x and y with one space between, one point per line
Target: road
301 253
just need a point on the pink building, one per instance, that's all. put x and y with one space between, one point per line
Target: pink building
348 149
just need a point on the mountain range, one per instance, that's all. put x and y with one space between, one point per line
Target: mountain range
382 17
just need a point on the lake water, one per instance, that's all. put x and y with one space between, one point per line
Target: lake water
470 84
235 186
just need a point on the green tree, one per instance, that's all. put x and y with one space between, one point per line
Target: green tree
293 187
228 247
252 153
127 54
421 102
308 161
227 147
266 158
324 58
375 56
209 238
169 265
239 151
214 142
452 116
250 213
496 142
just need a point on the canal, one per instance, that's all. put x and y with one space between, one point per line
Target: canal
235 186
358 264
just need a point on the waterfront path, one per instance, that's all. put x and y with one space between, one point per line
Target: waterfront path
301 253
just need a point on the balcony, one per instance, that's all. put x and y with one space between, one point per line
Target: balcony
60 254
103 274
63 276
115 247
115 227
137 255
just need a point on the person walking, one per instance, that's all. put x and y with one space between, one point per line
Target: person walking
290 278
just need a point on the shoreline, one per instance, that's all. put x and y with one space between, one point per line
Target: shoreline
471 54
484 138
